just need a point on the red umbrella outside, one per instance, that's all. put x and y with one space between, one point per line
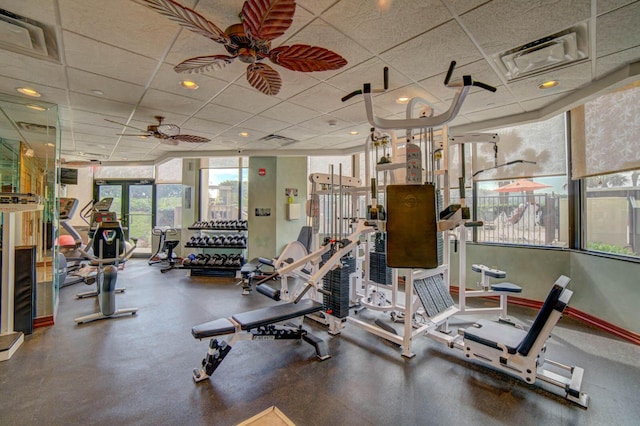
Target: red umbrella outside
522 185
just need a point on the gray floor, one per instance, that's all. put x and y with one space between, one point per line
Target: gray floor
137 370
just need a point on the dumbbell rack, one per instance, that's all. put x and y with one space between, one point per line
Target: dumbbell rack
214 229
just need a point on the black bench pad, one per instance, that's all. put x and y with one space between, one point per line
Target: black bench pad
213 328
272 314
491 333
506 287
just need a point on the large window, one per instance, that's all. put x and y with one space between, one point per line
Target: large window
224 189
521 188
606 155
169 191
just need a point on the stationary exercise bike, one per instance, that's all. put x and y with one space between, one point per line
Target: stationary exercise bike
164 254
109 244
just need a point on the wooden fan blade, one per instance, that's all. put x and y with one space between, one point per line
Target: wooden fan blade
190 138
126 134
264 78
125 125
189 19
267 19
204 63
305 58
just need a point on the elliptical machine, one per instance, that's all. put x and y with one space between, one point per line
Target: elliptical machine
108 242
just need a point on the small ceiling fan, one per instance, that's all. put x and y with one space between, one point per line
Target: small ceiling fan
250 42
167 133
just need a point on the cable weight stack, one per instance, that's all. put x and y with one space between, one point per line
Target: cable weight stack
337 282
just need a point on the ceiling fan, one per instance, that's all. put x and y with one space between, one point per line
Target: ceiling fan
167 133
250 42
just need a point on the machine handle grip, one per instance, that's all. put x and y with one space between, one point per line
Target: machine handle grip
452 66
385 76
351 95
484 86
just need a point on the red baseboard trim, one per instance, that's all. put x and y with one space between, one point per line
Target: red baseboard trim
628 335
43 321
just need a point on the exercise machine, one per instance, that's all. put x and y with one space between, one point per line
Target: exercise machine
69 255
259 324
109 244
517 352
164 254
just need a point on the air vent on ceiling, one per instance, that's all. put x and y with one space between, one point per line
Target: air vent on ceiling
549 52
280 140
41 129
27 36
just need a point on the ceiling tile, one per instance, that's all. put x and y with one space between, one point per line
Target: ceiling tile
169 102
462 6
243 99
322 98
290 113
321 124
49 94
504 24
167 80
385 103
618 30
221 114
198 125
42 10
265 124
535 104
124 23
606 64
106 60
314 6
18 66
99 105
431 53
299 133
605 6
116 90
378 28
485 99
570 78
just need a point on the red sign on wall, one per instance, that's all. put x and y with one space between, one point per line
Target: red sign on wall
262 172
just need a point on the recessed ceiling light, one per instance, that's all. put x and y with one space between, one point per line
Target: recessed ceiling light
51 144
548 84
36 107
188 84
143 136
354 133
29 92
402 100
97 92
244 134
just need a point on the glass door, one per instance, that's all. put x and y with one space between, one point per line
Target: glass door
133 203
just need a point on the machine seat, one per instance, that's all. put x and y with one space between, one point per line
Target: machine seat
277 313
506 287
490 333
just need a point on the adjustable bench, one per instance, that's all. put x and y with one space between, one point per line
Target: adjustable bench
259 324
522 353
501 290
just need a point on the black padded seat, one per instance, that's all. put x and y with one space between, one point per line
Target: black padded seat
490 333
507 287
213 328
277 313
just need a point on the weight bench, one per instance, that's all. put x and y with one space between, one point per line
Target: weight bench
259 324
521 353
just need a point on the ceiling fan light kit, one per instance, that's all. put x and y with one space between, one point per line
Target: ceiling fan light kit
250 42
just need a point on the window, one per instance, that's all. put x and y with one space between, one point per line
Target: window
520 190
222 196
613 213
606 150
169 191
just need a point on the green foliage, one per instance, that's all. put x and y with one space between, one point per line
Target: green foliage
610 248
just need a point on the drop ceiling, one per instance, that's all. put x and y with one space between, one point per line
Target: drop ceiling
114 59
